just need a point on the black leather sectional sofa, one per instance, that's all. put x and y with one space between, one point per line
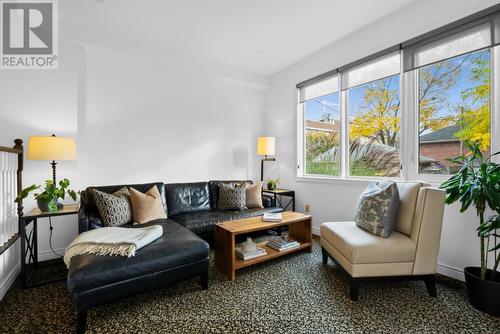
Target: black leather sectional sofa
180 253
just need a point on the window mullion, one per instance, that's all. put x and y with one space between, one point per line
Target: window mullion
409 116
344 147
495 101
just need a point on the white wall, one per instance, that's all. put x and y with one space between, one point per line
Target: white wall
170 118
336 200
165 117
39 103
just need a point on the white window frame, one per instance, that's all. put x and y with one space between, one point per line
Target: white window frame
301 141
347 150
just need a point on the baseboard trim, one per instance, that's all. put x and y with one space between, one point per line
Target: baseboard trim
450 271
48 255
11 277
315 230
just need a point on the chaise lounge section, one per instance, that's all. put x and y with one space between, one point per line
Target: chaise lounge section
180 253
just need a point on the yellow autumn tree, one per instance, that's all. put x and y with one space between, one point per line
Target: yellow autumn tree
379 116
475 121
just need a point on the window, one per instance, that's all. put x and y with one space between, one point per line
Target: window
322 135
374 125
321 124
454 106
406 111
373 111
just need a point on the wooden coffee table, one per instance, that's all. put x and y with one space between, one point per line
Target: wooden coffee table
299 229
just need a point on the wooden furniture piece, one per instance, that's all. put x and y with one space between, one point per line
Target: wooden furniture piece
29 244
278 200
299 229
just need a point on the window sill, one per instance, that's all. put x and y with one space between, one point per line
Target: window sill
333 180
360 181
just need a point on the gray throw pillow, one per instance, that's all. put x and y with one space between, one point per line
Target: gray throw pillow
232 197
378 208
114 208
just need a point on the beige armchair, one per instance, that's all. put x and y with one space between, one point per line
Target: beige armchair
409 253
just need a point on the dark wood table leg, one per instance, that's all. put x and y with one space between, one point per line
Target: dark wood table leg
22 232
35 242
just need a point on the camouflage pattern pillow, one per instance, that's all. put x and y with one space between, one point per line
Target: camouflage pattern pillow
378 208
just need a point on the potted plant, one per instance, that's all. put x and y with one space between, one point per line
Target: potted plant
478 183
272 184
47 200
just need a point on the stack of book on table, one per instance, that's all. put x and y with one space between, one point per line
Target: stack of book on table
272 217
282 243
247 255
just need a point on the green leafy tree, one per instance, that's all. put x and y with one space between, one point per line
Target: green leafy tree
475 122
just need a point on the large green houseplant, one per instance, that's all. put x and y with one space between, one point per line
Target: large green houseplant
477 183
47 200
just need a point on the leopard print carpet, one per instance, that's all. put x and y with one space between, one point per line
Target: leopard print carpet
293 294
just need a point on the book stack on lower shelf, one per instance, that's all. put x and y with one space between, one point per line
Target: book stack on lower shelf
282 244
250 254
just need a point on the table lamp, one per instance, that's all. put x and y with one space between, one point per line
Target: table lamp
266 147
51 148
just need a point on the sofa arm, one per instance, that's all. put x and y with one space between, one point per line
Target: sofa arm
87 221
267 201
426 229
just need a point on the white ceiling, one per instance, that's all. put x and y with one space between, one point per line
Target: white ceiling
262 36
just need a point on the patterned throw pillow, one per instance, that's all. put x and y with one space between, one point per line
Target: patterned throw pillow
378 208
114 208
232 197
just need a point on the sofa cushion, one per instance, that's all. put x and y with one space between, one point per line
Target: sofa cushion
177 246
254 195
146 206
114 208
88 197
202 222
232 197
187 197
361 247
213 187
408 193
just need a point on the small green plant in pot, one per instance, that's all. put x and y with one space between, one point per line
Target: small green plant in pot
272 184
47 200
477 183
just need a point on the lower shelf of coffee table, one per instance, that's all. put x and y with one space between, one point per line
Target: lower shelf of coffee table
271 254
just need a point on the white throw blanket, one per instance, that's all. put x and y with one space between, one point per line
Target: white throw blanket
112 241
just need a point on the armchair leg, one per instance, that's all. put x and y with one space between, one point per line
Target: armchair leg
204 280
430 284
324 255
354 290
81 319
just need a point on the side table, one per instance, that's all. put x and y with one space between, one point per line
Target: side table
283 197
29 244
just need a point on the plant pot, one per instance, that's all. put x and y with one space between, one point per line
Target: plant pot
48 206
484 295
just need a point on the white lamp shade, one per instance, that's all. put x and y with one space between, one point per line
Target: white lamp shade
266 145
51 148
